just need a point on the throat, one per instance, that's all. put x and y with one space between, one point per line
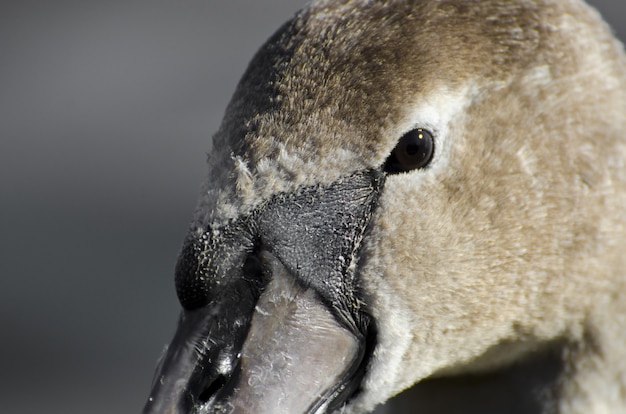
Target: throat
530 386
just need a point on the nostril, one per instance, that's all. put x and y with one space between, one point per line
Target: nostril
253 269
213 388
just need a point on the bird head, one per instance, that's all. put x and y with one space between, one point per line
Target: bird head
400 190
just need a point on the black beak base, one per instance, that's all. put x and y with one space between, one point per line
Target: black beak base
301 249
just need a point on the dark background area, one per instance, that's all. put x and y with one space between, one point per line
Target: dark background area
106 112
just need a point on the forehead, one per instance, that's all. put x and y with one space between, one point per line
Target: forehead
343 73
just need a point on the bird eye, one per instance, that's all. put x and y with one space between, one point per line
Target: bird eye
414 150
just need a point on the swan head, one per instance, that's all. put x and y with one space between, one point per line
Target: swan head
406 190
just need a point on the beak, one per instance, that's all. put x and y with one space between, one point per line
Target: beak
274 317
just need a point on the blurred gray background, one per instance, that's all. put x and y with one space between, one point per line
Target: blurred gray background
106 111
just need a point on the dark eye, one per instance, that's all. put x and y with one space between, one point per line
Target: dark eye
414 150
